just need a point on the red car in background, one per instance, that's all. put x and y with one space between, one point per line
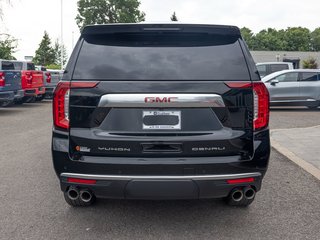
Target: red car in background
32 82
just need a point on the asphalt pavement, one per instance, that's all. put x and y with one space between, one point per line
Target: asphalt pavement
32 205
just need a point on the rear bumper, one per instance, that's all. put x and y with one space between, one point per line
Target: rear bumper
161 187
33 92
6 96
160 178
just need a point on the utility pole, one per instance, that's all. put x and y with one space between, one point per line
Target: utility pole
61 44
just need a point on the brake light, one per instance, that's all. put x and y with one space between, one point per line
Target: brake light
28 77
260 100
261 106
2 79
61 101
48 75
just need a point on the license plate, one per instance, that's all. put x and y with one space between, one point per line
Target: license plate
161 120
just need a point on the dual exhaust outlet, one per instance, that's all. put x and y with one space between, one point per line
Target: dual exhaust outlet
238 194
84 195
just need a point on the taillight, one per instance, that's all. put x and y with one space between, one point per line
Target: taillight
59 105
28 77
261 106
61 101
48 75
2 79
260 100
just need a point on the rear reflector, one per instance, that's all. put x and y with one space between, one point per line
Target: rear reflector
240 180
83 181
260 102
61 101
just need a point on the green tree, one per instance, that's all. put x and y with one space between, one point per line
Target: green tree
310 63
248 37
8 46
297 39
57 53
315 39
108 11
45 54
174 17
269 40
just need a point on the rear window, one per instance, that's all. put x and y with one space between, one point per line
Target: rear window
278 67
310 76
165 56
31 66
7 65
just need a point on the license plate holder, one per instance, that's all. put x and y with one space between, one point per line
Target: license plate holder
161 120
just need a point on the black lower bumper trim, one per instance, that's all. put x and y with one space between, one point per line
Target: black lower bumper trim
165 187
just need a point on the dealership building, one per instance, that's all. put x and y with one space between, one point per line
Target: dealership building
283 56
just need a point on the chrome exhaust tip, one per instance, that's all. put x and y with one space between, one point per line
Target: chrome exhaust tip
237 195
73 193
85 196
249 193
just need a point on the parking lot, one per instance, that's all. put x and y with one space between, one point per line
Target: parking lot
32 205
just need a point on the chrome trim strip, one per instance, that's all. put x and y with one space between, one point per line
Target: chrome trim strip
191 177
149 100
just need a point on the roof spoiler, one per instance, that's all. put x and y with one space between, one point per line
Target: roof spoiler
136 27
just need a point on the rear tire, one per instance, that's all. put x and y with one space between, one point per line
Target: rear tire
78 202
7 104
40 98
314 105
29 99
18 101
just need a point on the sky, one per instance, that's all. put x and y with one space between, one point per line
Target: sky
27 20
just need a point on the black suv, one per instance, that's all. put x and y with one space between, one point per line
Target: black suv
160 111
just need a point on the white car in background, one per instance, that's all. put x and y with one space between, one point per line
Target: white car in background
297 87
266 68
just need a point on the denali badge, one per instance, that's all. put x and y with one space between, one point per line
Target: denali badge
114 149
202 149
160 99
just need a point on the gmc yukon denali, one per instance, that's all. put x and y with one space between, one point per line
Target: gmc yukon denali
160 111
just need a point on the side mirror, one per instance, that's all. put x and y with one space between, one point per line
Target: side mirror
274 82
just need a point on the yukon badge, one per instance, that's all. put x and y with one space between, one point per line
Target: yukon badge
114 149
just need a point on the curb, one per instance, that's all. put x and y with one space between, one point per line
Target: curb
297 160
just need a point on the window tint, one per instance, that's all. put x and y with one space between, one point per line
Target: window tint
288 77
7 66
278 67
309 76
30 66
262 69
161 57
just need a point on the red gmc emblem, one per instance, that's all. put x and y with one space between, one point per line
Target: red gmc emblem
159 99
